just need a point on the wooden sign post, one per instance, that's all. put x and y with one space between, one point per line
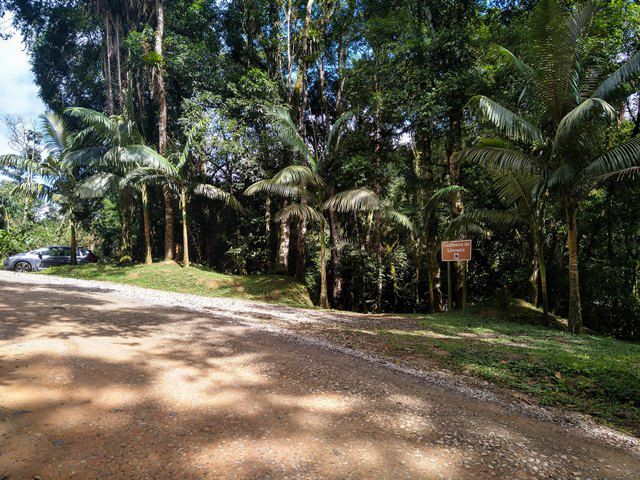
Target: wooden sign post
456 251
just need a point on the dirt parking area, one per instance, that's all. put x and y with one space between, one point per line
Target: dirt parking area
99 385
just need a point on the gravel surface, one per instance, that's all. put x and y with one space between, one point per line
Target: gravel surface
100 380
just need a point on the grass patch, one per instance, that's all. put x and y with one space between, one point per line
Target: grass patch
591 374
170 276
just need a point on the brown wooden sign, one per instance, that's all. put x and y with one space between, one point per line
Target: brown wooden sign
456 251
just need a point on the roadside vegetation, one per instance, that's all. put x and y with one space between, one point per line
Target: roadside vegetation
591 374
170 276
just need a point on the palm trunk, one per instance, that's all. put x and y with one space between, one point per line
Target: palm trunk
74 242
125 233
284 239
575 309
185 232
301 257
162 130
324 297
169 242
378 253
336 260
542 272
418 263
146 225
394 276
108 74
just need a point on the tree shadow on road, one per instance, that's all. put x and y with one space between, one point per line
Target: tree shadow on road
93 387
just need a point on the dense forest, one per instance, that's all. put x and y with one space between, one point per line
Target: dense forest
340 141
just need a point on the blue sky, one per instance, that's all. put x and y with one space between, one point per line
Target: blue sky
18 92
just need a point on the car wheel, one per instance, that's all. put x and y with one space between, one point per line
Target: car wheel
22 267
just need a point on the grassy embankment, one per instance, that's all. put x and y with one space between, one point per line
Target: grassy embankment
587 373
195 280
591 374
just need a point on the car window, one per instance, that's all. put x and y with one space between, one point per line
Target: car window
57 252
44 251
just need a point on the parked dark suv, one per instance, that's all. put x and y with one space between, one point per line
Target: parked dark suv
46 257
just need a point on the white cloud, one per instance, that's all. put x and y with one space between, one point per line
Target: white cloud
18 92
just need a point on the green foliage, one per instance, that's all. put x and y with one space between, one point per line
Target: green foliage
195 280
591 374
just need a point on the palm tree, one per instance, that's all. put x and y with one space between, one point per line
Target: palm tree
521 194
113 145
52 178
178 175
305 184
562 140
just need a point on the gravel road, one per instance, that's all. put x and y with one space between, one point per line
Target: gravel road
108 381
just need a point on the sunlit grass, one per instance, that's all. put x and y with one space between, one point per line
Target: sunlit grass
589 373
170 276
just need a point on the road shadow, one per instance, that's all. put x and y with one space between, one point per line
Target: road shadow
94 387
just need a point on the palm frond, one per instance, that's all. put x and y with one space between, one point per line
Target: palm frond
289 134
56 135
36 190
102 125
516 188
87 156
215 193
444 193
580 19
184 155
147 175
623 74
335 129
505 121
279 189
299 211
144 156
563 175
579 121
20 163
298 174
397 218
503 159
527 73
555 33
356 199
98 185
464 225
616 160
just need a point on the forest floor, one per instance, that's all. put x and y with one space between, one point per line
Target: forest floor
100 380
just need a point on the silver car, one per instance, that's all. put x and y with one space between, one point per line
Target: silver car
46 257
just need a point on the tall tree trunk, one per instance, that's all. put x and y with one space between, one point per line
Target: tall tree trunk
457 207
118 48
108 73
74 242
377 188
284 240
301 250
125 232
185 231
146 224
301 87
575 308
324 296
542 272
336 260
162 129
